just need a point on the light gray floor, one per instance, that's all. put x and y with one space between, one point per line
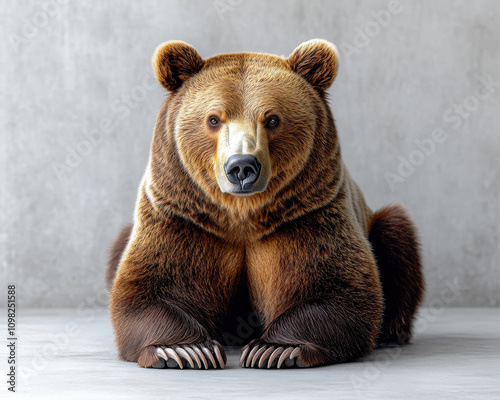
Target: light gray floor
70 354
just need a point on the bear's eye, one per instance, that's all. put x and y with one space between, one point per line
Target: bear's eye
272 122
213 121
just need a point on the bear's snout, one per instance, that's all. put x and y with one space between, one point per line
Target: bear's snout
242 170
242 163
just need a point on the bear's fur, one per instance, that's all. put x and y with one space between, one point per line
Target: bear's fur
327 278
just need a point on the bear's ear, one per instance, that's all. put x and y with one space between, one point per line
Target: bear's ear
316 61
174 62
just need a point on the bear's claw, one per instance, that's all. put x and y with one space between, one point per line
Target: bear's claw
258 352
188 354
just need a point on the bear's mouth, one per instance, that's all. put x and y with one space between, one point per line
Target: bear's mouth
246 190
243 192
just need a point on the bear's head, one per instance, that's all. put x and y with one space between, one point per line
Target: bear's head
244 126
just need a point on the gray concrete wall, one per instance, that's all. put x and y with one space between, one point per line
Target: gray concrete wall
414 76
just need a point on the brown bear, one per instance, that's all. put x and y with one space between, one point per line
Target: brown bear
246 199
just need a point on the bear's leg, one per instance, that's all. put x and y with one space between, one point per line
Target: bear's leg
395 245
316 289
158 334
171 290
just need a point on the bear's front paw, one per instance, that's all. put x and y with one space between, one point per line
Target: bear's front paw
209 354
257 352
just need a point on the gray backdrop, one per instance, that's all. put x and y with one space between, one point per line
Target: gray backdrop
416 103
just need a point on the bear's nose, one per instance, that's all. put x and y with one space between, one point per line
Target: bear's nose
242 169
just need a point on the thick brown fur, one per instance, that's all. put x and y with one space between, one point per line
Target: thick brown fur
321 66
396 248
175 62
116 252
304 250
